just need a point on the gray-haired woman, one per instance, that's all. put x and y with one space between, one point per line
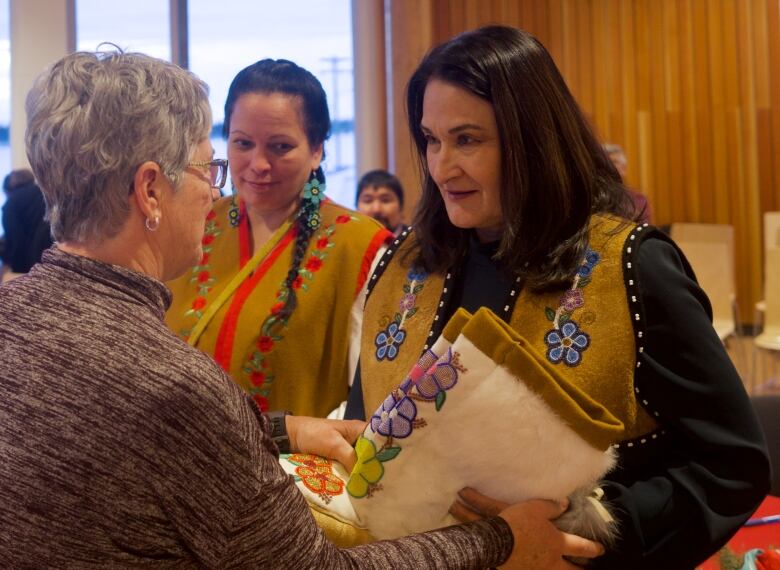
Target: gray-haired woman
119 444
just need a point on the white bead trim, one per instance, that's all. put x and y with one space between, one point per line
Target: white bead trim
629 250
643 439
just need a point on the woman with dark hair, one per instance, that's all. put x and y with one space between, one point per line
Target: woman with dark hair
522 212
272 298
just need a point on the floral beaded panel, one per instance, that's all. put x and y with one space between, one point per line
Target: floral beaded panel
388 341
256 366
423 392
566 341
316 474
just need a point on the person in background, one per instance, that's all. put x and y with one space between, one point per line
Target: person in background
26 232
274 297
120 445
523 213
381 196
617 155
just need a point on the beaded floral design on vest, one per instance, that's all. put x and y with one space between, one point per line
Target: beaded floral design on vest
388 341
566 341
201 273
256 367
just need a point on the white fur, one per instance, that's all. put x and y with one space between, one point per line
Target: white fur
492 434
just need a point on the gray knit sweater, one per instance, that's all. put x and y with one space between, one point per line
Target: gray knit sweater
122 446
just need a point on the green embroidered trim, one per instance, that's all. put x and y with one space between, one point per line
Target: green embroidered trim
201 275
256 365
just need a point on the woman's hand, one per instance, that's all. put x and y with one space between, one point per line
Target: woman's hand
333 439
538 543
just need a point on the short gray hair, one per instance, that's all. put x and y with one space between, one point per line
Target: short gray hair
93 119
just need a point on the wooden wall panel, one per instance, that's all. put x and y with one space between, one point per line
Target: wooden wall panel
771 193
690 88
688 110
410 33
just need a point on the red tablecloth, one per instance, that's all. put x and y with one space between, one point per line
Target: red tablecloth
748 538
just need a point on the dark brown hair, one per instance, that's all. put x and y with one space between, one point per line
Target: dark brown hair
380 179
555 173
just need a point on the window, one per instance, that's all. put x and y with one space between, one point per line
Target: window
226 36
5 92
140 25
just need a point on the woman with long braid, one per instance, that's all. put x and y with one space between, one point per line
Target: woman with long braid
272 297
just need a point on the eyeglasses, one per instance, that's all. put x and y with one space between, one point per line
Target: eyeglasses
218 169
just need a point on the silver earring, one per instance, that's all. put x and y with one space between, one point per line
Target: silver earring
152 225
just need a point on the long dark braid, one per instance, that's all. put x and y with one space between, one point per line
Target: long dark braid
306 223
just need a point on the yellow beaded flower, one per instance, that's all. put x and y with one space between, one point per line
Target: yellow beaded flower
368 469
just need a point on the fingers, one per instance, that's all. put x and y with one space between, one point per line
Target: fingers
346 455
548 509
481 503
348 432
331 443
351 429
577 547
463 513
328 438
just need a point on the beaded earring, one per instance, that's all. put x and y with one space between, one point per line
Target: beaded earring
234 214
313 193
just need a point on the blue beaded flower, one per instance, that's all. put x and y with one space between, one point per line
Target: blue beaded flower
417 274
566 344
591 260
314 191
388 342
